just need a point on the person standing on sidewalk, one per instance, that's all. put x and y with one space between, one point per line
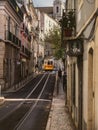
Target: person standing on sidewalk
65 86
59 74
59 80
36 68
64 81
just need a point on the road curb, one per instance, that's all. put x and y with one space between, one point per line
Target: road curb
48 126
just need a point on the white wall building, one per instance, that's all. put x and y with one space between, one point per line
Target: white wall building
49 24
46 23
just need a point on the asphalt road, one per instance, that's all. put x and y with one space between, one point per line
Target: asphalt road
28 108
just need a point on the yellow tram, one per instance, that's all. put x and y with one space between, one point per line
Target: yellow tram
48 64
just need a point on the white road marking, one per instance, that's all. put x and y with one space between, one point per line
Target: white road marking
21 99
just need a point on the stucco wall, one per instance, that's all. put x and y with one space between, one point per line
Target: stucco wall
96 78
85 83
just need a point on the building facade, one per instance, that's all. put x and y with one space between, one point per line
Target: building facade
10 43
48 18
49 24
81 53
46 23
16 42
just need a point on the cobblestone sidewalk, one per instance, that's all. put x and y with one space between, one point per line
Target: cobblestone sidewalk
59 118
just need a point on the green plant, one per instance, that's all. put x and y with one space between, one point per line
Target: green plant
68 20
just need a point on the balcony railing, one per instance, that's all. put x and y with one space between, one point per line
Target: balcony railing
16 7
12 38
25 32
25 51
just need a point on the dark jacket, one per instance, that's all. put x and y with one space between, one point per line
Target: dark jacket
59 73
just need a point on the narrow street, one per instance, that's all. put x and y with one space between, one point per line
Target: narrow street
59 117
28 107
41 40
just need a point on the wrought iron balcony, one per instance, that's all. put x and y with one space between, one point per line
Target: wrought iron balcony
12 38
24 30
25 51
16 7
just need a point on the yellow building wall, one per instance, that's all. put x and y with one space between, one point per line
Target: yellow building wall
96 77
85 81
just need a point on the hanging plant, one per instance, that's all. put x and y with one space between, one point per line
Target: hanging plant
68 20
68 23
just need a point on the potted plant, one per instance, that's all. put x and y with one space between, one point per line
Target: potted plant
68 23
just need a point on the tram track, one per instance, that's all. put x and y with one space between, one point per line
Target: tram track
26 97
26 105
32 107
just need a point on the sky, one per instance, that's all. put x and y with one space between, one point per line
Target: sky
42 3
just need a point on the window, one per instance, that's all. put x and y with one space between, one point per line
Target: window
9 21
57 9
16 29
